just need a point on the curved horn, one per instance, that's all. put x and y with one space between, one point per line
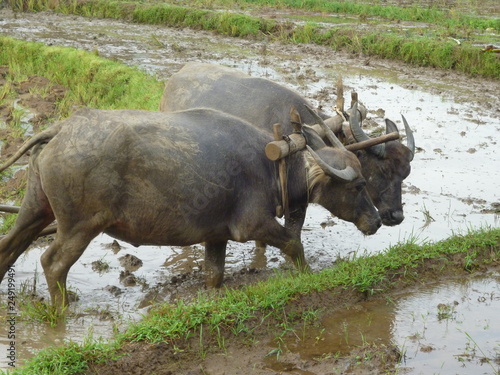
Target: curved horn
312 138
409 138
390 126
346 174
328 132
360 135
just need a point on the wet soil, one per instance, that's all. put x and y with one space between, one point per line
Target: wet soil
305 348
471 108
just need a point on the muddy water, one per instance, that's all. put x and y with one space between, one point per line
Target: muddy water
453 185
433 328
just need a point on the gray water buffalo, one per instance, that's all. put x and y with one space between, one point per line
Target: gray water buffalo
263 102
172 179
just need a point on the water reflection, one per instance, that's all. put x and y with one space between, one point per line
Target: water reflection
445 328
32 337
451 328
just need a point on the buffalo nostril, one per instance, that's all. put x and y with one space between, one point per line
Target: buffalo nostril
397 216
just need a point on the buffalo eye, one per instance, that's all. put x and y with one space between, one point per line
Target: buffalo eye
360 186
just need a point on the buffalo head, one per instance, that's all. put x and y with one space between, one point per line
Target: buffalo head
336 181
385 166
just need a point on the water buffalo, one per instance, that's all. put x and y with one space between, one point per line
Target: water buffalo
263 102
172 179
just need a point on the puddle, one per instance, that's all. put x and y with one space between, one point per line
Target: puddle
452 188
445 328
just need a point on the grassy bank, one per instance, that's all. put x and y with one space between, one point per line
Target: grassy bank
238 312
91 81
434 13
428 46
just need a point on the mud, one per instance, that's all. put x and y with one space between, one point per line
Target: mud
453 187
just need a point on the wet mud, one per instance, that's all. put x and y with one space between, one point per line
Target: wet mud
453 187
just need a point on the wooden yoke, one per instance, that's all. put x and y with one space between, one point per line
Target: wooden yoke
372 142
354 98
286 149
281 208
277 150
340 95
281 148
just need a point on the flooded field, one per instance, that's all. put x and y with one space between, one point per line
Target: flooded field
453 187
444 328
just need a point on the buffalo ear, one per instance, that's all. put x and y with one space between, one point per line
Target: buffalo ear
313 139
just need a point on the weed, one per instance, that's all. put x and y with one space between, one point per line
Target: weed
100 266
345 329
31 307
275 352
471 348
427 217
446 311
43 92
16 123
319 337
6 90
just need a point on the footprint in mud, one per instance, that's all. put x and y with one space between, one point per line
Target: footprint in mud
114 246
130 262
114 290
127 278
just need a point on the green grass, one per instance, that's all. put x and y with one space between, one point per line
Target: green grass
225 23
92 81
453 17
238 310
71 358
427 47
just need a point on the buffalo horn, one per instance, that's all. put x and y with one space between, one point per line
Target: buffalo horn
390 126
328 132
360 135
409 137
346 174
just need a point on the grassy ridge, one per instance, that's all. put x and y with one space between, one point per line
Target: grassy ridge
233 311
435 50
414 13
91 80
416 51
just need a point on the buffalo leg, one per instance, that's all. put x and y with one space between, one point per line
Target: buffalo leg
260 245
295 223
33 217
60 256
289 243
215 259
16 242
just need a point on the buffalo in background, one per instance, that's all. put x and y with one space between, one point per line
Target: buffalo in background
263 103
